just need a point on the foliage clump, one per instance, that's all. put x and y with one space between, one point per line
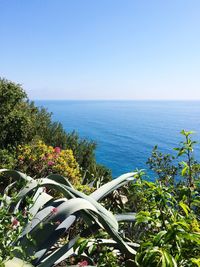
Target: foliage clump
168 218
40 160
22 121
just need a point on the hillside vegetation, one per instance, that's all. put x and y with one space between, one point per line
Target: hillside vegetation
61 208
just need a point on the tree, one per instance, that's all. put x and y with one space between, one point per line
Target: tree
14 115
21 122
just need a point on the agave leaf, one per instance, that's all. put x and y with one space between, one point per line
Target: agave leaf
8 188
32 184
108 216
59 179
46 215
50 231
105 218
39 218
66 251
15 262
16 175
71 192
109 243
131 217
44 182
40 201
60 254
109 187
68 209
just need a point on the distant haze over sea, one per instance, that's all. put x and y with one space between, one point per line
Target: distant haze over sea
126 131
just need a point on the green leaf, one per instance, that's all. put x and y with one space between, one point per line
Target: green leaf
158 237
185 207
82 246
196 261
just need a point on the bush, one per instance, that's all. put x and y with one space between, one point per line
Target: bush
7 159
39 160
167 223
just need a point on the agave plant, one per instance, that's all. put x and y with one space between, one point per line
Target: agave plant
15 262
51 218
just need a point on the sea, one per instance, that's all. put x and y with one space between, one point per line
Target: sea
127 131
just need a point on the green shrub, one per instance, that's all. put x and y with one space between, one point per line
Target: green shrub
22 121
7 159
167 223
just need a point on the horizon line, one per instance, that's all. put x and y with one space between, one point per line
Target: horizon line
59 99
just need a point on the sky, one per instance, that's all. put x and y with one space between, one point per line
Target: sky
102 49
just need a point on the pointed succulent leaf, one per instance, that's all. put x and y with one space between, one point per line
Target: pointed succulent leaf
131 217
109 187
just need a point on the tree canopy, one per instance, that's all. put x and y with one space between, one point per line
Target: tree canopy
22 122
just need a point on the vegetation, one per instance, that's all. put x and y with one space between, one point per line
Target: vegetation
52 219
169 218
84 216
39 160
158 224
22 123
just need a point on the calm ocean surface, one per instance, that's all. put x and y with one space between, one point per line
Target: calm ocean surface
126 131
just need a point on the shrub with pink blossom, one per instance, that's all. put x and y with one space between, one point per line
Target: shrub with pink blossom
38 159
12 223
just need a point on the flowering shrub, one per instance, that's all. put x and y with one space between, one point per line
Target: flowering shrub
83 263
12 223
38 160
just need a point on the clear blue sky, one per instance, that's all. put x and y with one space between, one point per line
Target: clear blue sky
102 49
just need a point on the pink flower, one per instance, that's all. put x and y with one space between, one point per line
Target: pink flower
57 150
15 223
21 160
50 163
54 210
83 263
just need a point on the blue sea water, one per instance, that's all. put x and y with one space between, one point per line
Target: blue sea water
126 131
